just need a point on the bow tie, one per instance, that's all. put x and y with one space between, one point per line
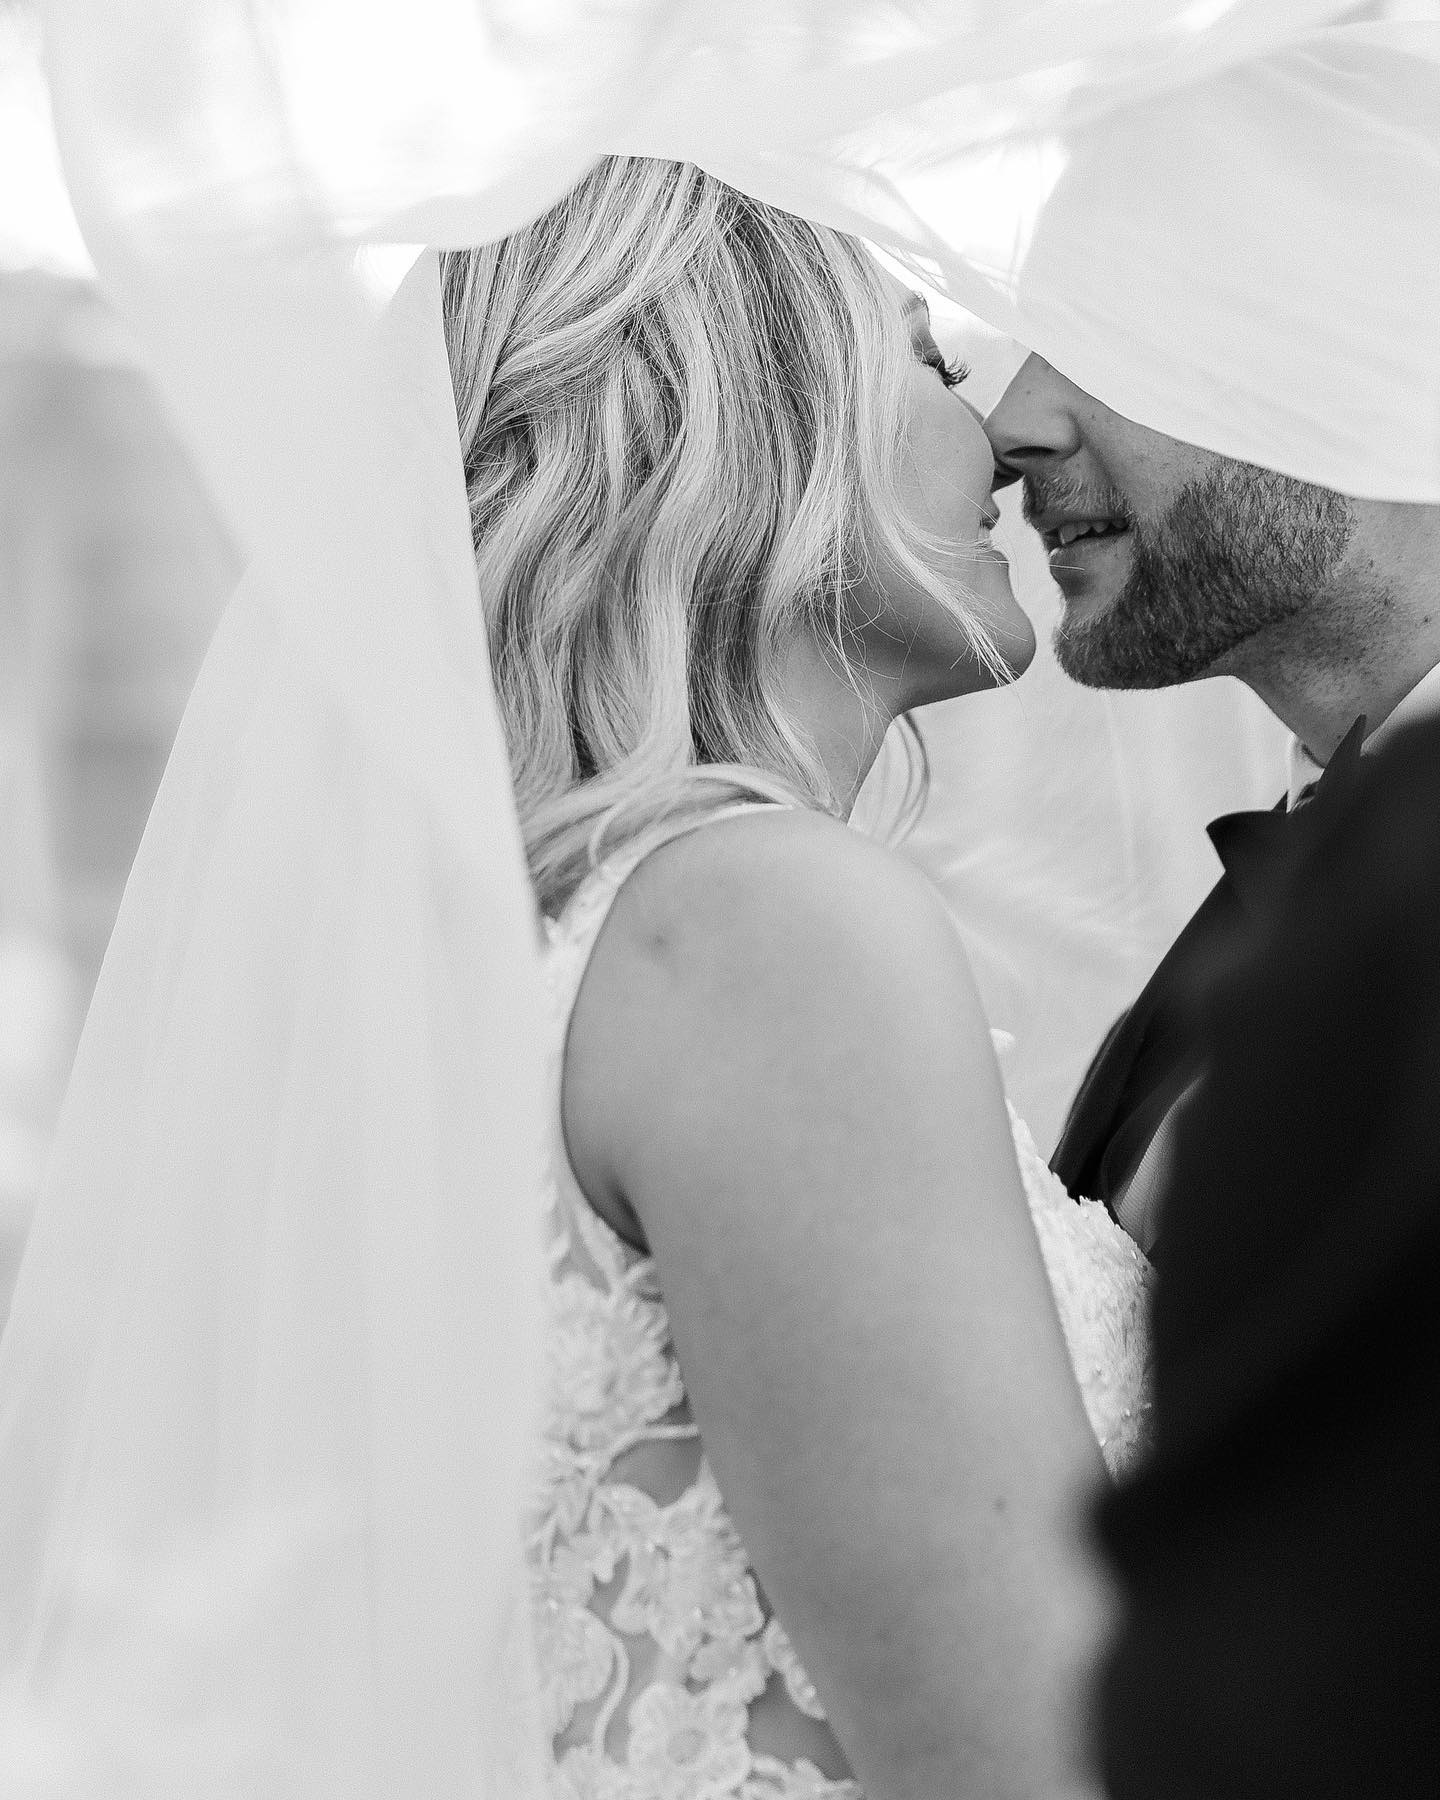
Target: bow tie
1253 846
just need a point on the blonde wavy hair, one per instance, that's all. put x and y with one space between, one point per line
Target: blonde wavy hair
681 414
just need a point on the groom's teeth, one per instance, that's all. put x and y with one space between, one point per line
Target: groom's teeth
1078 528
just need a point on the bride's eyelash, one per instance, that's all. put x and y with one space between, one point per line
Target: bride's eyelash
951 373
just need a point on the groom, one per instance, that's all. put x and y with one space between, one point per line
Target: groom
1176 563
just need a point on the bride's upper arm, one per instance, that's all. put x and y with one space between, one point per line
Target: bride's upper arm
779 1060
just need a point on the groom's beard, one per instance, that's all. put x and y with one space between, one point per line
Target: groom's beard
1238 551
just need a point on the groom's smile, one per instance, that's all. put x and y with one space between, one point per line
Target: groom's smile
1087 537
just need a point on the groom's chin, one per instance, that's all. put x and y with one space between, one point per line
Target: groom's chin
1119 646
1080 657
1103 640
1091 661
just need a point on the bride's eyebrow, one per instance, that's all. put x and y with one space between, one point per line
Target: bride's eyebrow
917 307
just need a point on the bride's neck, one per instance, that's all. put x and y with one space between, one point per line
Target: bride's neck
845 719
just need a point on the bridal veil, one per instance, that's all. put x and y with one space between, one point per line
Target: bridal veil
270 1376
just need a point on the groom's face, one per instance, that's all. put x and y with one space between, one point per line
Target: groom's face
1173 562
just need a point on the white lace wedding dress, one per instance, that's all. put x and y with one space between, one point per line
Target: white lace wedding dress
664 1672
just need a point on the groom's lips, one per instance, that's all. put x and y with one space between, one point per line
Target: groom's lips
1062 531
1087 553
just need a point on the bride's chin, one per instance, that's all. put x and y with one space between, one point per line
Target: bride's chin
1017 648
1011 631
966 673
940 661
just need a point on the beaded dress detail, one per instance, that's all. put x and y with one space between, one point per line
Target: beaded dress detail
664 1672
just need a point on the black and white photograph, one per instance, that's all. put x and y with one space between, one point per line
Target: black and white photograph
719 900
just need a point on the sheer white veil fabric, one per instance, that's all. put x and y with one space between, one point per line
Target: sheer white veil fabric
269 1384
266 1389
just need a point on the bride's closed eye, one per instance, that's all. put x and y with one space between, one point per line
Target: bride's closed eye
951 373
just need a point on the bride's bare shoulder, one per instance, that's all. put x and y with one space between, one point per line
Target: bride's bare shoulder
747 963
777 882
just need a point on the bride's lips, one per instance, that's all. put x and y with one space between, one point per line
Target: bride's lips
986 550
983 544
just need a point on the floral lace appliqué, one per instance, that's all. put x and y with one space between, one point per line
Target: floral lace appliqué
651 1633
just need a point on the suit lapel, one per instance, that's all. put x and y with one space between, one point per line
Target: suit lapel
1150 1053
1128 1076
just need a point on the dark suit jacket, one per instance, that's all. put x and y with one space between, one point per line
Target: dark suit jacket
1280 1553
1151 1052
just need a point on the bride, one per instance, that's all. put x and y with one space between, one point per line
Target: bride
810 1511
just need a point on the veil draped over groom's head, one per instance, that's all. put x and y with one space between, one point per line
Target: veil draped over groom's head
265 1396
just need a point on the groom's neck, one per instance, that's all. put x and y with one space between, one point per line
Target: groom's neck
1369 639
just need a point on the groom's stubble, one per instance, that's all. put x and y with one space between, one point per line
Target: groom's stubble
1238 552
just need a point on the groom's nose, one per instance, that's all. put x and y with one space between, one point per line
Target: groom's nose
1033 424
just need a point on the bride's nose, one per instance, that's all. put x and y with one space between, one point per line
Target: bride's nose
1033 424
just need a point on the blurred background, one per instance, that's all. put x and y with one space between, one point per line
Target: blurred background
113 571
